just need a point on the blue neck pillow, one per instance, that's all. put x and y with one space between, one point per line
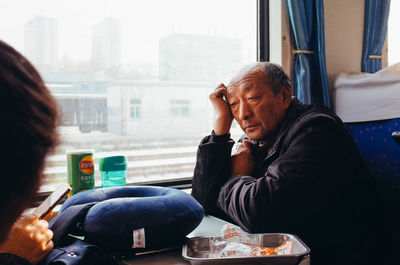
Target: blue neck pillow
134 218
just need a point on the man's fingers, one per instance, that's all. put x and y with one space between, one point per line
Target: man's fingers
28 219
219 92
46 248
46 238
220 86
241 146
220 89
49 234
41 225
49 246
246 144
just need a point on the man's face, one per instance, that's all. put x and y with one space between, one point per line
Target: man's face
255 107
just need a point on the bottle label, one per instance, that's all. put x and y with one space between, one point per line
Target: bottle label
86 165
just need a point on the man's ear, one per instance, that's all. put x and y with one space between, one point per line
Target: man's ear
286 97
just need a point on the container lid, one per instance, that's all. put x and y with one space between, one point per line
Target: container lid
79 151
112 163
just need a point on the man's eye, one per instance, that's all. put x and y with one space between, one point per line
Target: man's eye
233 104
254 98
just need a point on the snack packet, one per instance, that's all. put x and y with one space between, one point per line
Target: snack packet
284 249
235 242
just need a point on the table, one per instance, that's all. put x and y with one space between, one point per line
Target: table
209 226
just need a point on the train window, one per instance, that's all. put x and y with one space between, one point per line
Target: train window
393 36
135 108
179 107
133 77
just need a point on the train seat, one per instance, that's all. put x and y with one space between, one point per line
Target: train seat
369 106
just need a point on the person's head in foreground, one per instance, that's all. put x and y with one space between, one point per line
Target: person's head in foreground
259 96
28 117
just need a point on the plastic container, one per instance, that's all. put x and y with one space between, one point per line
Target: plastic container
113 171
197 251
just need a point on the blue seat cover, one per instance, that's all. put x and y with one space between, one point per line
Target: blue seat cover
380 152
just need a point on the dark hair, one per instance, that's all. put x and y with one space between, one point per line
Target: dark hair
275 77
28 120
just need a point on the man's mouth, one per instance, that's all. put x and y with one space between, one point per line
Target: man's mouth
249 127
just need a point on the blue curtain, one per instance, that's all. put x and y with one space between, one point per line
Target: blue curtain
375 27
307 25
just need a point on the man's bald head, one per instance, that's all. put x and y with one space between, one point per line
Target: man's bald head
273 75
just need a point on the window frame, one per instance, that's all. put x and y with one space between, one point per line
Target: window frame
263 54
135 105
263 31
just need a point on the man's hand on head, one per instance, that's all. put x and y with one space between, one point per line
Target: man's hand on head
242 160
224 115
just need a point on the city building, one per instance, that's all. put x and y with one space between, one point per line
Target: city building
178 110
41 43
187 57
106 47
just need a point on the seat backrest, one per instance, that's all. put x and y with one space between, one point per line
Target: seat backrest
382 156
368 105
380 152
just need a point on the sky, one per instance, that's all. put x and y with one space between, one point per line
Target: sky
142 22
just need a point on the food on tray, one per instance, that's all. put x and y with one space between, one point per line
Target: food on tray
284 249
234 242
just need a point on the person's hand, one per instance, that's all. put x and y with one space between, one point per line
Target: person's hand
242 160
29 238
224 115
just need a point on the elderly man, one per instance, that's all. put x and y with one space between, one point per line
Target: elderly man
297 170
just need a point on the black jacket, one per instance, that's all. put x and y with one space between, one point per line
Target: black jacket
311 182
11 259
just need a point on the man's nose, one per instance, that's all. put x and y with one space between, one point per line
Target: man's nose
244 111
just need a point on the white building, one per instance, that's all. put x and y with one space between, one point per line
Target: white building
155 109
187 57
106 46
41 43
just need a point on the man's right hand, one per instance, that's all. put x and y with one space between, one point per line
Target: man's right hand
243 160
29 238
224 115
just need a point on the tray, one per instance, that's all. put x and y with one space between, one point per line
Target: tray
197 250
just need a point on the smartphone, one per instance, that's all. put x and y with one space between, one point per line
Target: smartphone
52 200
396 137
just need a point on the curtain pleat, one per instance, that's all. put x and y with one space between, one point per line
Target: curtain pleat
310 77
375 27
